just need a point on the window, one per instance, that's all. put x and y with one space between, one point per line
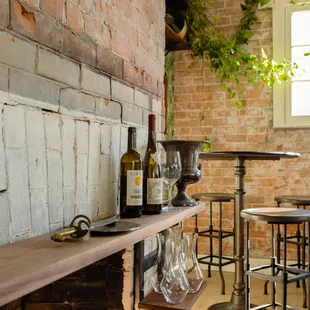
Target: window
291 40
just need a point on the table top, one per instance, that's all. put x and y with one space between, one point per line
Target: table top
231 155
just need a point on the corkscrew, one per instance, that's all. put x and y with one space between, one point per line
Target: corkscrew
78 229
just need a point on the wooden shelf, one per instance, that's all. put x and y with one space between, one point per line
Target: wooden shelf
30 264
173 42
156 301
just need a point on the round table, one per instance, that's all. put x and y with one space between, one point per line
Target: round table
238 295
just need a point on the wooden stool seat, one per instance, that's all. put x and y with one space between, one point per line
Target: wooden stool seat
277 215
214 197
295 200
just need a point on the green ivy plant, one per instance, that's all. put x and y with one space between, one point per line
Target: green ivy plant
226 56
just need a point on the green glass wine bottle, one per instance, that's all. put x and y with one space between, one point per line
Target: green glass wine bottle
152 178
131 179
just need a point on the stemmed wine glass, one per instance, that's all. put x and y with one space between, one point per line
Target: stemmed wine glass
171 171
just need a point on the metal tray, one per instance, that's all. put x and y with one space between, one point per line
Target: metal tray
114 228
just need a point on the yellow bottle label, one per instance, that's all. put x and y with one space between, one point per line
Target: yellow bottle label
134 187
154 191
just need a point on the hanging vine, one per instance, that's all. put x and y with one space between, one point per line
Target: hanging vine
225 56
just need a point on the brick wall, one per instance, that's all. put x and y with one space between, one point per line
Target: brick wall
248 129
73 75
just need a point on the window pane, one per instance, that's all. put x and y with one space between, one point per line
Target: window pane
300 28
300 98
303 73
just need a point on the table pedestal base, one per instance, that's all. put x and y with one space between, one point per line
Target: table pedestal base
227 306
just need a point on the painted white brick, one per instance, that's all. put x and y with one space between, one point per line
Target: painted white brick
4 79
68 156
124 139
93 202
4 219
142 100
82 137
81 184
81 166
114 170
115 153
113 205
156 106
52 131
105 163
72 99
96 82
21 236
30 89
132 114
69 204
58 68
18 191
142 136
56 226
36 149
108 108
39 212
122 92
94 154
106 131
17 53
14 122
55 194
3 178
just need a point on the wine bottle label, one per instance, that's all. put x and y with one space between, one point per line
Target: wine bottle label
154 191
134 187
156 157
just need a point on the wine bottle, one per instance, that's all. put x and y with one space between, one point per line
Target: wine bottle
131 179
152 179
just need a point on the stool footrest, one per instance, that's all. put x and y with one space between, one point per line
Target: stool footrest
228 261
299 274
209 233
261 307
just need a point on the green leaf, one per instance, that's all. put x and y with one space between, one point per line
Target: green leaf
239 104
307 54
294 2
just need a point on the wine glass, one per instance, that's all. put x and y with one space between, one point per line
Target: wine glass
171 172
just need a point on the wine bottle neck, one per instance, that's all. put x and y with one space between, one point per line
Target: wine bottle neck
132 141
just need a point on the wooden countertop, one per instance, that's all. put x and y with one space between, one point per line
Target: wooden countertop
33 263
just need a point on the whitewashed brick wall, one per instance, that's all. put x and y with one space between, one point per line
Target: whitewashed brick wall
63 128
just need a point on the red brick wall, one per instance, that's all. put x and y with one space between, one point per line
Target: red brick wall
231 129
119 37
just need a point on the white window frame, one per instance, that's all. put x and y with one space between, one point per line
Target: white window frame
282 116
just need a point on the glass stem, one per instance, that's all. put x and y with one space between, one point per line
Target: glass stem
169 194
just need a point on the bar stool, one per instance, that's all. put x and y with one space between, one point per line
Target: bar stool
212 233
299 202
276 216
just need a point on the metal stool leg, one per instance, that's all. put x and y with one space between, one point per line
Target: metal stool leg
308 263
304 289
211 241
278 252
220 252
273 268
285 274
247 277
298 236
